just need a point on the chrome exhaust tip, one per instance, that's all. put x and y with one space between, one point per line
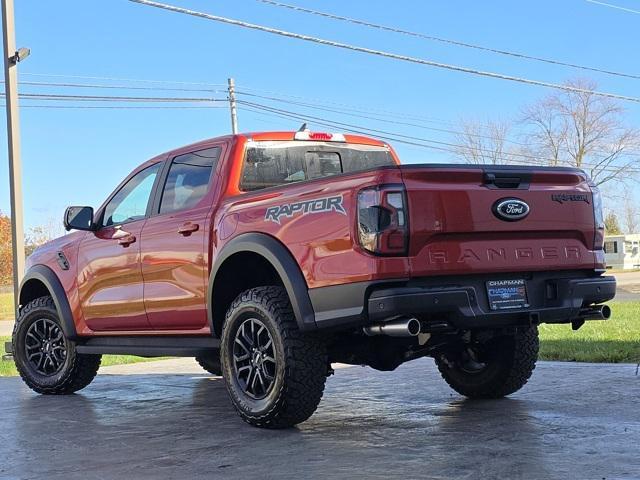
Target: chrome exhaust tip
406 327
595 312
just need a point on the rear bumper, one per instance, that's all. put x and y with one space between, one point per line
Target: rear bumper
462 301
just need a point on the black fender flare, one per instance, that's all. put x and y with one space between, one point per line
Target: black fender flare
282 261
50 280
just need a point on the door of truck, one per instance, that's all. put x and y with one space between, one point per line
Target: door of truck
174 242
109 277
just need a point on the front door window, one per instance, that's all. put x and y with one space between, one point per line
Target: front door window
131 201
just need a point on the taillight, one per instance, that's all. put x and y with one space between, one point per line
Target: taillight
382 220
598 239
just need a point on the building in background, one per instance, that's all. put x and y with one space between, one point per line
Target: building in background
622 251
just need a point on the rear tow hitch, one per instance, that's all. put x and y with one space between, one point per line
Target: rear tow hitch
8 347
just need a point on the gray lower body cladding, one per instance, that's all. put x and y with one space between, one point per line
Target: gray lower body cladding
461 301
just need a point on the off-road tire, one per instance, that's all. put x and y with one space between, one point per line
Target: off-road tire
211 363
301 361
510 362
78 369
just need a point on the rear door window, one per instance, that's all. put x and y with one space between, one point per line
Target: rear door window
270 164
188 179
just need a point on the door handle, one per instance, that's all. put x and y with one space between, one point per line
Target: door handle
188 228
127 240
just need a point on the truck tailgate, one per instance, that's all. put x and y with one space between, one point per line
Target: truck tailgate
455 227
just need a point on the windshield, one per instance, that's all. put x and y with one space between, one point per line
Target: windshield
269 164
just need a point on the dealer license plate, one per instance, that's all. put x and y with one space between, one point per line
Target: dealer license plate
507 294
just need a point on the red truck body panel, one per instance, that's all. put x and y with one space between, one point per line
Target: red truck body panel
453 228
158 284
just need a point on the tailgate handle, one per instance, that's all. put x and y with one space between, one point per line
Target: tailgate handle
507 180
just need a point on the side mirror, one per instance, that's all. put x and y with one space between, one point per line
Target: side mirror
79 218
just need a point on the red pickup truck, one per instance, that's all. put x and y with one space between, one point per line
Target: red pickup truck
270 256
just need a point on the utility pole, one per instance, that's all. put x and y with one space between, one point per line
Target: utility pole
232 106
11 58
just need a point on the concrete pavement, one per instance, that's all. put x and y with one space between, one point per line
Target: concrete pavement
6 328
628 278
570 421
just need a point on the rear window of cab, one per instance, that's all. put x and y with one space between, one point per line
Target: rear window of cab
275 163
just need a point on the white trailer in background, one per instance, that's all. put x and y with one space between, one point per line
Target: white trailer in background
622 251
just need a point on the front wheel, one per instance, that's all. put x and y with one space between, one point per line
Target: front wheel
493 369
274 373
46 360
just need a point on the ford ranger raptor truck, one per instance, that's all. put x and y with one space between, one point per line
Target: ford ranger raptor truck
270 256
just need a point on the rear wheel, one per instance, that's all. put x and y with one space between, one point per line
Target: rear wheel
46 360
494 369
275 374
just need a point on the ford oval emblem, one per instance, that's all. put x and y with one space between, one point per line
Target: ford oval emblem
510 209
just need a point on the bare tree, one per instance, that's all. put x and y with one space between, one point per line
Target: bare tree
548 135
583 130
483 143
631 213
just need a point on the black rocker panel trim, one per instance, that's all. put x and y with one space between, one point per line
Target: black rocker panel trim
151 346
51 281
282 261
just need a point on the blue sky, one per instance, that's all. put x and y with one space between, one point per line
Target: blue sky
77 156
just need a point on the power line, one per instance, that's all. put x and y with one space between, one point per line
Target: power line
120 79
122 107
411 140
331 125
388 137
445 40
384 120
118 87
617 7
105 98
376 131
381 53
344 111
354 111
346 106
247 89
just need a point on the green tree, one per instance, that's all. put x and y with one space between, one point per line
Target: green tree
611 224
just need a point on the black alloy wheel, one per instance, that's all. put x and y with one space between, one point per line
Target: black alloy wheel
45 346
274 373
46 359
254 358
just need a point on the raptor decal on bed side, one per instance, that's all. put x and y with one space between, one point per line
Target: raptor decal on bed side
318 205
